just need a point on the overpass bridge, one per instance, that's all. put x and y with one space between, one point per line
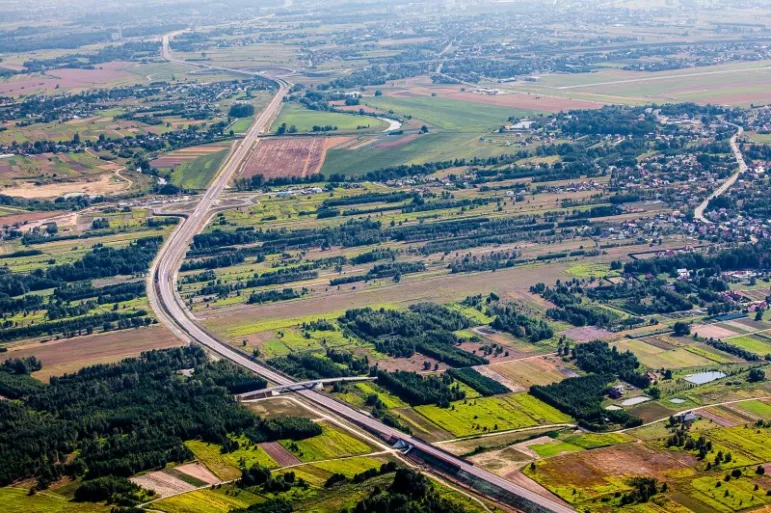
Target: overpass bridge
298 386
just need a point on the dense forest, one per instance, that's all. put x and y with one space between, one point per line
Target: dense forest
120 419
416 389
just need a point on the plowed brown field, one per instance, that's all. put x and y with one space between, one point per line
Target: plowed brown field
286 156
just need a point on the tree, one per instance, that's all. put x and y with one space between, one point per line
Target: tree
241 110
756 375
681 329
424 129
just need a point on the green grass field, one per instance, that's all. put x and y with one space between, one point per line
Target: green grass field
573 443
332 443
489 414
197 173
17 500
449 114
751 344
241 126
430 147
304 120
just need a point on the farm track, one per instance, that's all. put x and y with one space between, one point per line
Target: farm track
171 310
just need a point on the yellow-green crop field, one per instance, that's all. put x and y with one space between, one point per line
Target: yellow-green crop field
496 413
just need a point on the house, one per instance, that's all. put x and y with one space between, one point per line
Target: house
687 417
616 391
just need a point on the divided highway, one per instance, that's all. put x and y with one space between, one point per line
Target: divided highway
171 311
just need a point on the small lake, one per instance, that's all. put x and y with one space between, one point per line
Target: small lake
704 377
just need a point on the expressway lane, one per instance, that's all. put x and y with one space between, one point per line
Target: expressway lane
171 311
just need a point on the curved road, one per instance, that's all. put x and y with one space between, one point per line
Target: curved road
170 309
698 213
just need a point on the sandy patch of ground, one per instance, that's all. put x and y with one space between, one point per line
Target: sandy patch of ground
104 186
162 484
198 471
500 462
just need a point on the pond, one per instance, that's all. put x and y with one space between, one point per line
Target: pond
701 378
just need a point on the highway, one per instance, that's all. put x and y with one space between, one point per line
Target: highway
698 213
171 311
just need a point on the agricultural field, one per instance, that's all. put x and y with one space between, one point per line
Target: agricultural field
287 157
304 120
332 443
447 114
498 413
193 168
505 222
69 355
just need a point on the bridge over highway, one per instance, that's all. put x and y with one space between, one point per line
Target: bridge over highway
300 385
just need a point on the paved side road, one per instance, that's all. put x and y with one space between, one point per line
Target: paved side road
171 311
698 214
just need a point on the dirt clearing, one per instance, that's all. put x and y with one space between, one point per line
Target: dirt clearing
105 185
